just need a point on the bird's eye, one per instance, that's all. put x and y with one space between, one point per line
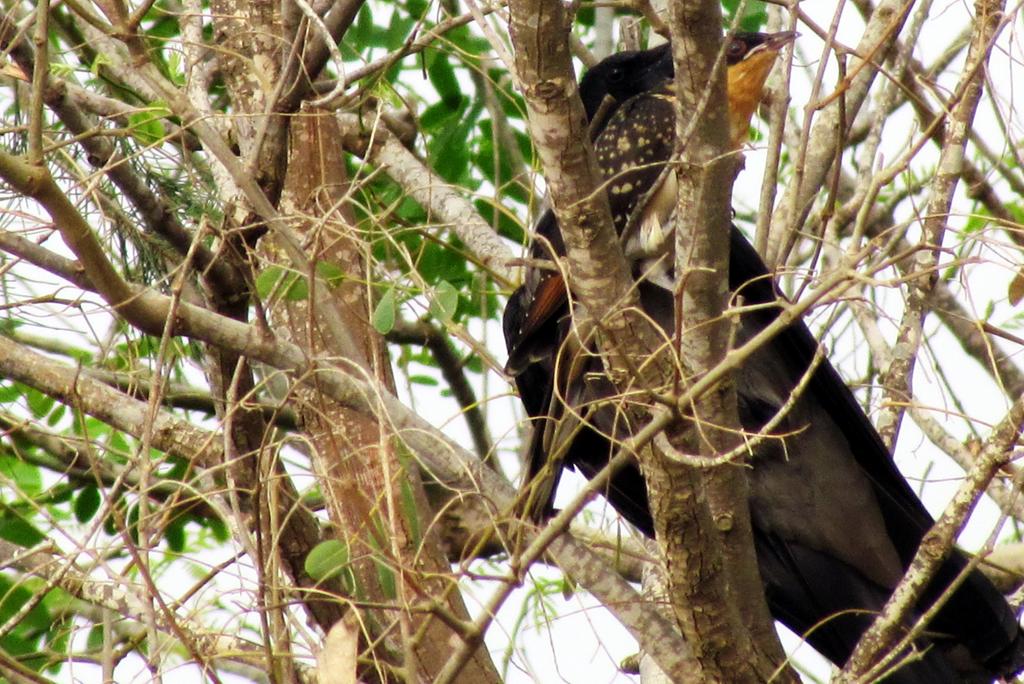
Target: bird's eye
737 48
616 75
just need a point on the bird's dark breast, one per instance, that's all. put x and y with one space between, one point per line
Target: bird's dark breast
633 150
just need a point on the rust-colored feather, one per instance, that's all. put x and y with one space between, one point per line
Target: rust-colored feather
548 299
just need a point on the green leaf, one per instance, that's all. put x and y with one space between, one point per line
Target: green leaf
99 61
132 522
25 476
416 8
94 641
754 14
508 226
178 468
267 280
9 393
24 639
385 575
58 639
38 403
163 26
326 559
147 125
62 495
87 503
445 301
58 601
332 274
398 31
439 262
219 528
385 313
754 18
503 176
442 76
117 445
56 415
175 534
110 525
275 279
439 115
361 32
469 43
450 151
17 530
387 579
297 290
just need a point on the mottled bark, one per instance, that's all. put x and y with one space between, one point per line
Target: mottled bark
366 483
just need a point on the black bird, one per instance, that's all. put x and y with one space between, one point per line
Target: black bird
835 523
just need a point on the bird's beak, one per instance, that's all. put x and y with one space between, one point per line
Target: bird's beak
762 57
776 42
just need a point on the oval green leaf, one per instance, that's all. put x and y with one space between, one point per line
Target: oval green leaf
445 301
87 503
385 313
327 559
